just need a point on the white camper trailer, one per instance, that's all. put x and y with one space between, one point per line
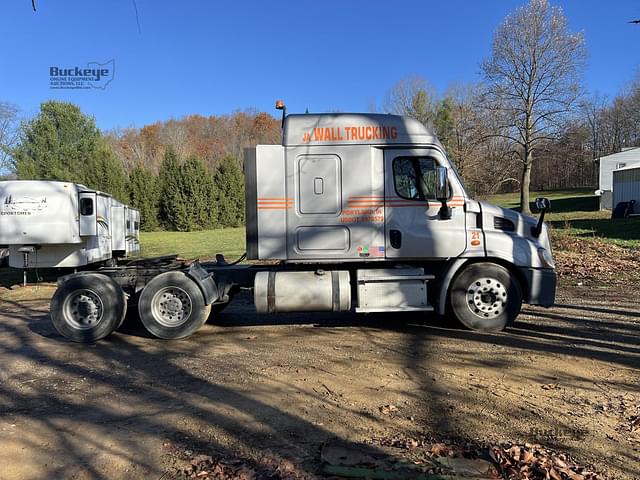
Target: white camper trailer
62 224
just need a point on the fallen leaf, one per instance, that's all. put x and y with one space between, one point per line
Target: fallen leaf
388 409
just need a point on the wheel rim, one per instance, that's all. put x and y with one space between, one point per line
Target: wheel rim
171 306
487 297
83 309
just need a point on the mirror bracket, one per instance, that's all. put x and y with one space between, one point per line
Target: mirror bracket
543 204
442 192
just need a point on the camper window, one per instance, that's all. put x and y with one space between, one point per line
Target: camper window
415 177
86 206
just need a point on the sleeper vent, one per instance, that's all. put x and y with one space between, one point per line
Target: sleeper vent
503 224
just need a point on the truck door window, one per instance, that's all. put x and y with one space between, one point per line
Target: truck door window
415 177
86 206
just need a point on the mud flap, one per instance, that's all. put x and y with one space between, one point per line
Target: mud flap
205 281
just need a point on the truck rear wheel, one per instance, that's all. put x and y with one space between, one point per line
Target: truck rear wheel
171 306
485 297
87 308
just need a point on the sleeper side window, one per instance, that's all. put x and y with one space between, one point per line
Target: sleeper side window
415 177
86 206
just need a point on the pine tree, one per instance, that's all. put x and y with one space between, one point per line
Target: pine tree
62 143
57 144
173 205
144 195
108 174
444 125
229 182
198 189
187 194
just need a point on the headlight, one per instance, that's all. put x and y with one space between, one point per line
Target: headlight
546 258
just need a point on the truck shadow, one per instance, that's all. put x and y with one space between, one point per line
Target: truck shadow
168 390
126 396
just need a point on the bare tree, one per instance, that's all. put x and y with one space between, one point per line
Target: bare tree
591 110
174 132
464 135
534 78
413 97
9 135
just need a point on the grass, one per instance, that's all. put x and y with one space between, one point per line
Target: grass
576 213
580 200
190 245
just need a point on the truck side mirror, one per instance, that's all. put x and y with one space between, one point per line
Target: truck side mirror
542 204
442 191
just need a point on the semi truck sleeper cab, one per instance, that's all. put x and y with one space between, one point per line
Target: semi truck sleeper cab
352 212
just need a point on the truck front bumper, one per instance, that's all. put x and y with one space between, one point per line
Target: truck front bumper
541 284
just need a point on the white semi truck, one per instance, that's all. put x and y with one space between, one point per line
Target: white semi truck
352 212
51 224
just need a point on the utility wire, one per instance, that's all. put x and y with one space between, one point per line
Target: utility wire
135 7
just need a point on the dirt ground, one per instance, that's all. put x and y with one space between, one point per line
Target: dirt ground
567 377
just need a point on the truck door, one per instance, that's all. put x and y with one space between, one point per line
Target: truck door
413 228
88 214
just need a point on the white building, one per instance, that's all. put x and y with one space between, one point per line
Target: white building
626 185
626 158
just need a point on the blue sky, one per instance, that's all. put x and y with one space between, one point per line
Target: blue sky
217 57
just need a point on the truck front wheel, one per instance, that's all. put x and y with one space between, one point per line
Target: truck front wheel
485 297
171 306
88 307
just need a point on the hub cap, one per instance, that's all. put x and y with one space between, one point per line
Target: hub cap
83 309
486 297
171 306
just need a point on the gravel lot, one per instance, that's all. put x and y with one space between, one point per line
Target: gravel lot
567 377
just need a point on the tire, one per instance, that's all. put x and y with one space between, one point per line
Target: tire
4 257
87 308
171 306
485 297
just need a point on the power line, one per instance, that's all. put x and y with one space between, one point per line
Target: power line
135 6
